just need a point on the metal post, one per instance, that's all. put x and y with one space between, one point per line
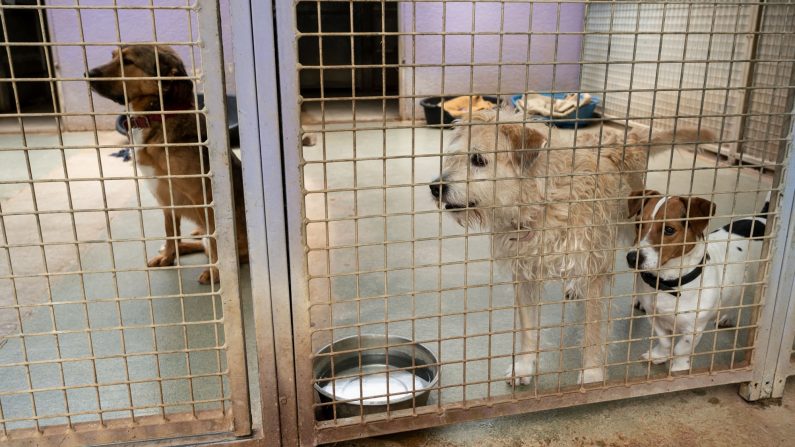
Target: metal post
218 145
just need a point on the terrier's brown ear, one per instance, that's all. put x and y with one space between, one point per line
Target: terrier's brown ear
524 143
637 199
698 213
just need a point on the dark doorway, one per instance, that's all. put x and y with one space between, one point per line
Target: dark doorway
376 53
28 61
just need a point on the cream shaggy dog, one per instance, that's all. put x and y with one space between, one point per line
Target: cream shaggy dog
552 213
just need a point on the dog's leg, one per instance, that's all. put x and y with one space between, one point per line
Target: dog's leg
524 367
593 357
684 348
726 321
189 247
727 318
636 304
211 274
169 250
662 349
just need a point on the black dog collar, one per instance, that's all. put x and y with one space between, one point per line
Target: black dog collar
671 285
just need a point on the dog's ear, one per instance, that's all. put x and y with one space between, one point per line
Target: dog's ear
637 199
698 213
523 140
178 91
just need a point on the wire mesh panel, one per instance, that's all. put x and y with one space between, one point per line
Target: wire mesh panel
110 330
717 57
504 206
774 68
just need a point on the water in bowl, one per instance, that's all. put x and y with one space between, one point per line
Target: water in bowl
370 385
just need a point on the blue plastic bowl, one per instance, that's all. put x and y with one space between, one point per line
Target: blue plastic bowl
571 120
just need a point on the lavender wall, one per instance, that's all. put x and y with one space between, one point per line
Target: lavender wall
488 16
102 26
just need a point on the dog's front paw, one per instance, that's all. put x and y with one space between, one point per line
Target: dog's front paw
655 356
206 277
639 306
591 375
161 260
680 364
522 371
726 322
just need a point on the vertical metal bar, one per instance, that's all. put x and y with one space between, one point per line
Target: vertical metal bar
744 105
246 80
224 213
772 320
274 174
300 341
784 366
780 299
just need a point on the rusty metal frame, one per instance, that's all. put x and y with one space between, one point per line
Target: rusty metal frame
292 343
784 356
259 122
218 144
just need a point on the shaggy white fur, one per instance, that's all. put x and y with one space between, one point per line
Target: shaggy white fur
552 212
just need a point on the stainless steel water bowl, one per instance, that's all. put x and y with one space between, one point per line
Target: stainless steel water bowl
367 373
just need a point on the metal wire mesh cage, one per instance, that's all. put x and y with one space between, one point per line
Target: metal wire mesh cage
508 255
96 344
453 210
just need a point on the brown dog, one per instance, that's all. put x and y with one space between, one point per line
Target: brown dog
173 168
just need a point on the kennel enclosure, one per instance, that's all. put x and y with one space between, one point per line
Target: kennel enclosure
96 348
345 239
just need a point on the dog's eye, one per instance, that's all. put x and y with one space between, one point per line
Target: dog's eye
669 231
126 61
478 160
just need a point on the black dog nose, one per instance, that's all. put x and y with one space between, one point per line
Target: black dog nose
634 259
437 188
92 73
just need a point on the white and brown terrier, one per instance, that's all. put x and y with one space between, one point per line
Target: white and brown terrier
688 279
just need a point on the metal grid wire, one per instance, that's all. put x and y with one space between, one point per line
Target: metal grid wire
92 341
382 259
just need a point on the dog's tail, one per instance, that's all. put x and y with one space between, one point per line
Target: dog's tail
751 227
685 135
766 208
639 146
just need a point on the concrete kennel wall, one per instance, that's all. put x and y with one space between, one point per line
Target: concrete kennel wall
486 49
100 26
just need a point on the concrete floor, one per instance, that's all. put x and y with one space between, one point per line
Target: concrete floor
88 298
698 418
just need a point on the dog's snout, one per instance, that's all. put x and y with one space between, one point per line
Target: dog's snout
634 259
93 73
437 188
